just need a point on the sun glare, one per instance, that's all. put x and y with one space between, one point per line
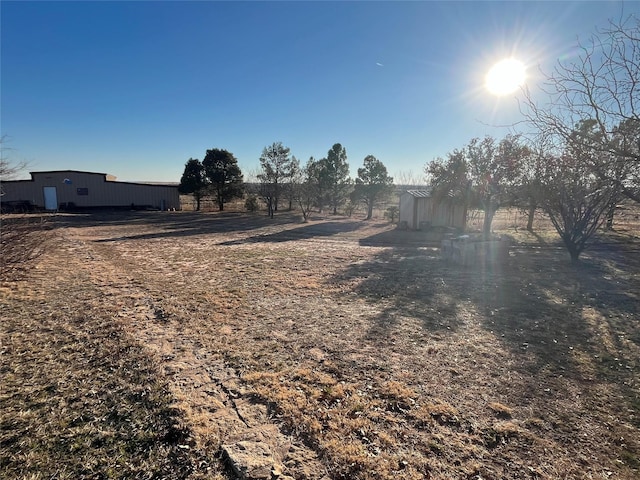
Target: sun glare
505 77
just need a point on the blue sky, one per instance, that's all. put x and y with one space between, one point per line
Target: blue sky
135 89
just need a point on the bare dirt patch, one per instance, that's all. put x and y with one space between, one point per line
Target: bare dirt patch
347 349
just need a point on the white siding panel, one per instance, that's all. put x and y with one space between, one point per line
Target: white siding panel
406 209
417 209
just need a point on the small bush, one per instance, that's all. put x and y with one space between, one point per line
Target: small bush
350 208
251 203
392 213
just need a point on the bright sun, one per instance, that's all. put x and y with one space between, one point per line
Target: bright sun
505 77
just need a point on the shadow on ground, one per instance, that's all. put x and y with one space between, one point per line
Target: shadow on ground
538 302
308 231
154 225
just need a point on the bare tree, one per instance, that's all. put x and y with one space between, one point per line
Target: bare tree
289 187
601 85
277 168
8 169
23 238
408 178
575 199
305 188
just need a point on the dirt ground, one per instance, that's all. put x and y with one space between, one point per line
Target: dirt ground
346 349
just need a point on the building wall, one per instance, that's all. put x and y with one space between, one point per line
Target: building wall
415 210
86 189
448 214
406 209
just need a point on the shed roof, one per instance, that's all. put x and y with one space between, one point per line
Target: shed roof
425 193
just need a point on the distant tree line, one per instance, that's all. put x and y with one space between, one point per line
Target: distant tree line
319 184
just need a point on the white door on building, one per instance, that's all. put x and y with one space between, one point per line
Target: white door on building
50 198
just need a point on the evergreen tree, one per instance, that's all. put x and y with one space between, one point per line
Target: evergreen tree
373 183
335 176
224 175
193 180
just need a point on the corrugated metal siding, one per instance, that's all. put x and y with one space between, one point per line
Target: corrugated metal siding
406 209
86 189
423 211
417 206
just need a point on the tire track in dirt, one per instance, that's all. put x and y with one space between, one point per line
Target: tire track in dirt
225 418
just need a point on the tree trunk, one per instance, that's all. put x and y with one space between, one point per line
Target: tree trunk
575 255
610 214
488 219
220 200
305 212
573 249
369 212
532 211
197 203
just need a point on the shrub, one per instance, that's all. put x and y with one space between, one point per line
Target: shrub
350 208
251 203
392 213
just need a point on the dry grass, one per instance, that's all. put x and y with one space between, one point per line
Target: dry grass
361 344
79 398
23 238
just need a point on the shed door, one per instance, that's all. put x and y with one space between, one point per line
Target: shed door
50 198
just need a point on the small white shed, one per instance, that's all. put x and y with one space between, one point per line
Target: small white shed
419 209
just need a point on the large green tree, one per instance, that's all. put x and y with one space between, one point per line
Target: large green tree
335 176
193 181
495 171
449 177
528 191
278 167
373 183
315 173
289 187
483 174
305 187
223 175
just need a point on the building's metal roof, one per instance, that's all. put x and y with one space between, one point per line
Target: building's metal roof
419 193
108 178
67 171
